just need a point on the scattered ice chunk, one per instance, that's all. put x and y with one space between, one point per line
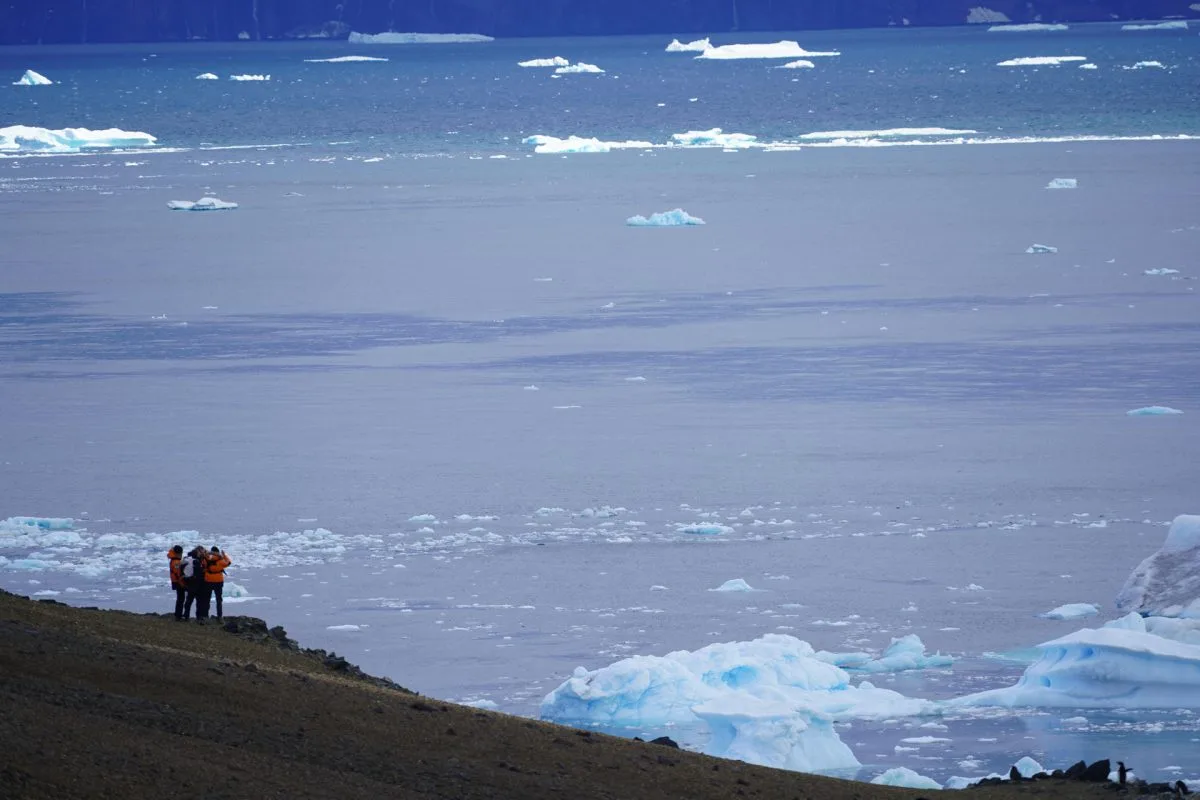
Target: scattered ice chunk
926 740
1040 248
582 68
714 137
903 776
1088 66
697 46
486 705
1169 25
1028 767
664 219
31 78
887 133
39 523
705 528
25 138
1167 583
250 77
422 518
578 144
1026 28
780 49
1063 183
207 76
1040 61
904 653
760 731
1152 411
556 61
734 585
343 60
1147 65
203 204
342 628
659 588
798 64
1161 271
1071 611
391 37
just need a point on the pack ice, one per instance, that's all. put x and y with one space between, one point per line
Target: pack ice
25 138
31 78
1028 27
1170 25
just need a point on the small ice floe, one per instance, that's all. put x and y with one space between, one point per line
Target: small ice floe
676 217
1063 183
1040 61
1152 411
705 529
798 64
734 585
556 61
1088 66
1040 248
636 379
1146 65
483 703
698 46
578 144
714 137
781 49
1161 271
533 387
903 776
1071 611
342 628
203 204
1169 25
207 76
31 78
395 37
581 68
249 77
343 60
1028 27
1028 767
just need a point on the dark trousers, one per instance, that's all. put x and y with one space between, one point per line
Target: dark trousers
180 596
203 600
217 590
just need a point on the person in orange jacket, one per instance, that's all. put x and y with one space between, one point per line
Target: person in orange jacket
175 559
214 577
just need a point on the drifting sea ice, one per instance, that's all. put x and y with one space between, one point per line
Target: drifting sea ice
903 776
342 60
1071 611
698 46
25 138
1034 249
734 585
1026 28
798 64
581 68
203 204
391 37
1167 584
1161 271
249 77
714 137
1063 183
664 219
31 78
207 76
887 133
1146 65
1040 61
578 144
1170 25
780 49
1088 66
903 654
556 61
1152 411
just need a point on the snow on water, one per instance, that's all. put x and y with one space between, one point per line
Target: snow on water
1071 611
250 77
207 76
203 204
798 64
664 219
31 78
1063 183
1167 584
1170 25
1040 61
1028 27
903 776
1035 249
343 60
25 138
1153 411
391 37
556 61
581 68
780 49
887 133
698 46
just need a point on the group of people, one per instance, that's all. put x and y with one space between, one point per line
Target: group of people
197 578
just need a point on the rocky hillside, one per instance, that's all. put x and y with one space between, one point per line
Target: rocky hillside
49 21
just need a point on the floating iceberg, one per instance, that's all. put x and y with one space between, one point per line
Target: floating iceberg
1152 411
714 137
781 49
37 523
581 68
1027 27
903 776
556 61
1063 183
1167 584
207 76
578 144
1040 248
798 64
203 204
250 77
1170 25
705 528
734 585
664 219
698 46
24 138
1040 61
342 60
1146 65
1071 611
903 654
887 133
1160 271
1088 66
31 78
390 37
772 734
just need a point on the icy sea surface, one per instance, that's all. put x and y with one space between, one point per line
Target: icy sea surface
452 418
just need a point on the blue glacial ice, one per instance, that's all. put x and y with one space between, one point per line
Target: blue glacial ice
676 217
1167 584
904 653
697 46
391 37
31 78
1153 411
705 528
903 776
39 523
203 204
1071 611
773 734
29 139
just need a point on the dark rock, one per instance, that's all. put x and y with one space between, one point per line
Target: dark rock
1015 775
251 667
1097 772
336 663
665 741
422 706
1075 771
670 762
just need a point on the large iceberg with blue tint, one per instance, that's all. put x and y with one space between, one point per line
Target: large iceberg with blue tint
1167 584
903 654
29 139
903 776
772 734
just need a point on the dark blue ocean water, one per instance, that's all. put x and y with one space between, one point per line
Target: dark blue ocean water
474 97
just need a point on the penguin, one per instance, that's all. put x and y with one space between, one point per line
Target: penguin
1122 772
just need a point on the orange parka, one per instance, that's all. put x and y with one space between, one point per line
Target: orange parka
214 567
176 566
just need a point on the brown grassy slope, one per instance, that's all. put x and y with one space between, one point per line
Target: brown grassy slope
112 704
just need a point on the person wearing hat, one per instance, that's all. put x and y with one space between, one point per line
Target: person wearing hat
214 577
175 559
192 572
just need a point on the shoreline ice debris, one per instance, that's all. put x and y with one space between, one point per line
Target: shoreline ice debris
1153 411
1063 183
1040 61
203 204
391 37
582 68
250 77
769 701
781 49
1169 25
556 61
343 60
1027 27
1034 249
903 776
25 138
31 78
1167 584
1071 611
207 76
698 46
664 219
